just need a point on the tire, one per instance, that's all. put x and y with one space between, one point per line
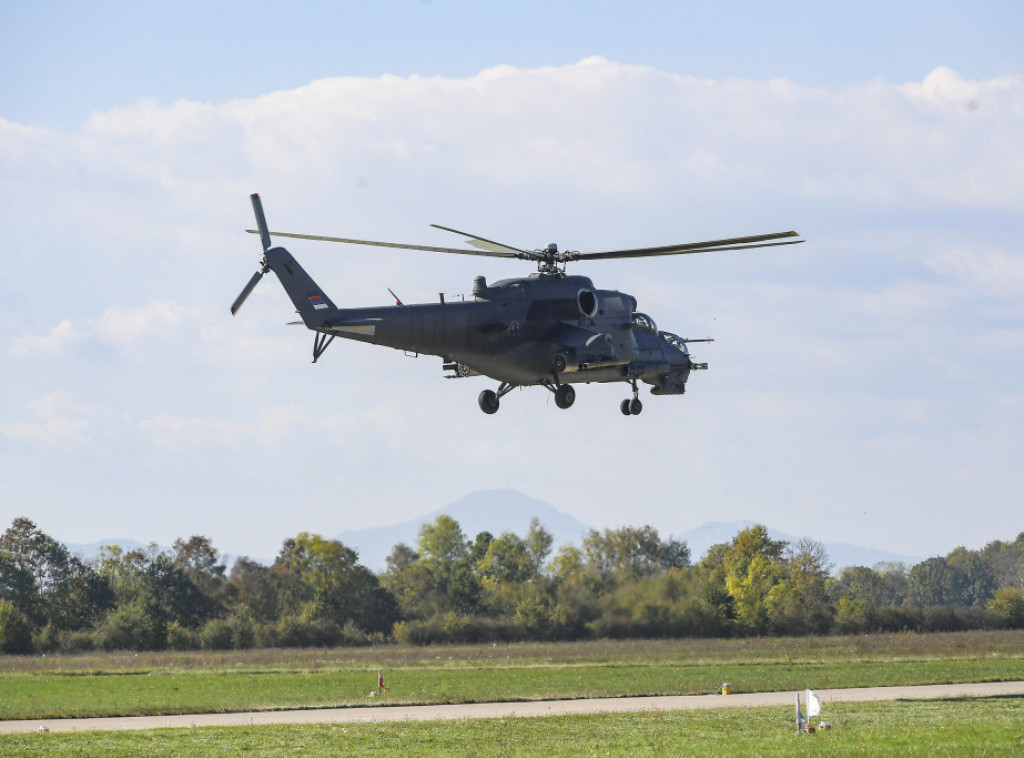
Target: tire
565 396
488 402
558 364
624 407
635 406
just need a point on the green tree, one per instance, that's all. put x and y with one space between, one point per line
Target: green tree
1006 562
975 580
961 579
255 595
538 545
447 557
508 560
46 582
410 581
615 556
200 561
799 603
752 565
1008 603
321 579
151 593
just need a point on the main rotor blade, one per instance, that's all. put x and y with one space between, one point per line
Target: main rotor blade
246 292
482 242
734 243
261 221
399 245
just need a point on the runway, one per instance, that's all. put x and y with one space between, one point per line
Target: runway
378 714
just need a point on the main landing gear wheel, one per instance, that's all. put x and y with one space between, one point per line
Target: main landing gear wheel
565 396
488 401
631 407
634 406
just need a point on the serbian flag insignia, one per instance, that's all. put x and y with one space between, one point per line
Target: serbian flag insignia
317 302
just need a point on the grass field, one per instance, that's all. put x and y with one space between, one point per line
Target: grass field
919 728
166 683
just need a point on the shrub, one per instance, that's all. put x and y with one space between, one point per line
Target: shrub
179 638
217 634
131 627
1008 604
15 631
77 642
294 631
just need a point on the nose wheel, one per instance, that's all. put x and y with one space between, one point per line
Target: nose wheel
634 406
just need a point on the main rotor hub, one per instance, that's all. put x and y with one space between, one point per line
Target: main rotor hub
548 260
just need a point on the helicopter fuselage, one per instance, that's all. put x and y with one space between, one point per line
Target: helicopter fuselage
545 329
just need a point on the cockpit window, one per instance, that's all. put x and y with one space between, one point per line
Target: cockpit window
675 341
645 322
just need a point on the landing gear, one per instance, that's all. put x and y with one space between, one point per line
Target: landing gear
489 400
634 406
565 396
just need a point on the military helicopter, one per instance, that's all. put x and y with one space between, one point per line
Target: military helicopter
549 329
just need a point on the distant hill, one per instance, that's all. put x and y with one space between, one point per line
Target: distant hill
92 549
507 510
842 555
494 511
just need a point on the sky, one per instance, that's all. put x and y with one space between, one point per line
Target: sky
864 387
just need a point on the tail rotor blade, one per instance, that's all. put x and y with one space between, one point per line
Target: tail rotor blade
261 222
248 288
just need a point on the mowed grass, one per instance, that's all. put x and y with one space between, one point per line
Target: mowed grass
168 683
909 728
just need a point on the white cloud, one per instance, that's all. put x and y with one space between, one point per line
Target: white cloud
58 419
998 270
120 326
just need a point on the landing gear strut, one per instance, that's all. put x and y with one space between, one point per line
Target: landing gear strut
634 406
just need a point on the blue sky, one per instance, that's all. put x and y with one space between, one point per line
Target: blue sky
63 60
864 387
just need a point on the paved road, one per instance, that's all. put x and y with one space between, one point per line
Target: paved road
512 710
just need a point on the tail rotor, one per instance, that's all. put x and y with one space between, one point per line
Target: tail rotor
261 222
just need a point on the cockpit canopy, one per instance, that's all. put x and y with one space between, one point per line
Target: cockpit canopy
645 322
675 341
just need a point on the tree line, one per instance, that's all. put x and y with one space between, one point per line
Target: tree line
448 588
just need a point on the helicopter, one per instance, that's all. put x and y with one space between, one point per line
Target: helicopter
549 329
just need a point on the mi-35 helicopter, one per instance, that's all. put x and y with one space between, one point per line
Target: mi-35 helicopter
549 329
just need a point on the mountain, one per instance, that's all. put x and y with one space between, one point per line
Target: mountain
507 510
92 549
494 511
841 555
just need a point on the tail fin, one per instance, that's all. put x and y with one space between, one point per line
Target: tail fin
310 301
